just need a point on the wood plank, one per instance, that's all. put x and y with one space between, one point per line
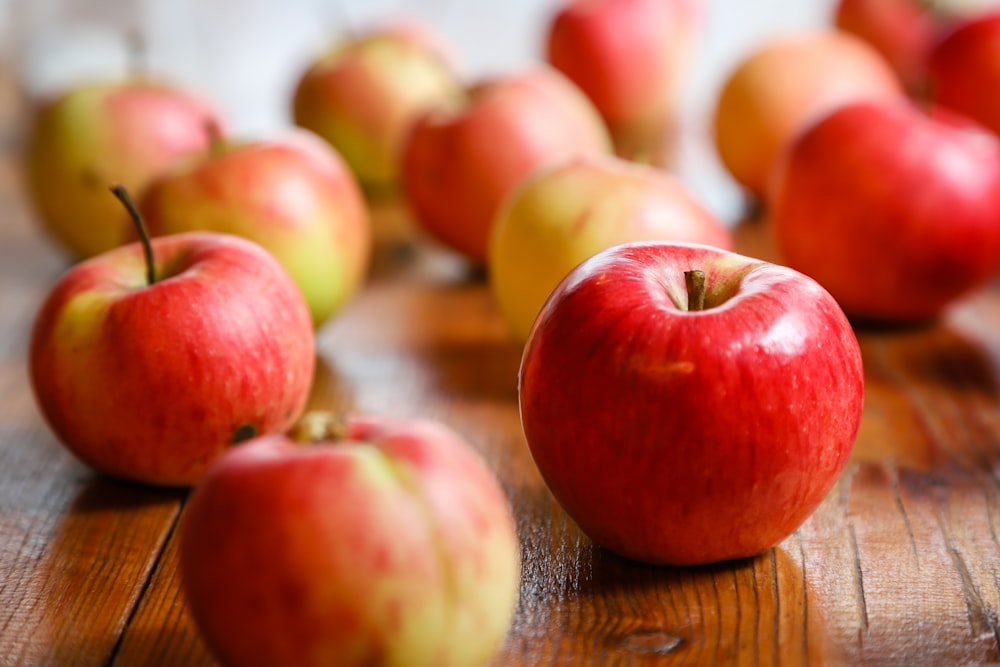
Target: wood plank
76 550
899 566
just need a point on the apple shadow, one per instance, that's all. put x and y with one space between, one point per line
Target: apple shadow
93 567
102 493
621 609
331 390
932 354
473 371
401 249
930 392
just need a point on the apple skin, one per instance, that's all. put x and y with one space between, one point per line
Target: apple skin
392 545
87 138
458 164
893 235
292 194
630 58
677 437
785 84
153 383
964 69
903 31
563 214
362 95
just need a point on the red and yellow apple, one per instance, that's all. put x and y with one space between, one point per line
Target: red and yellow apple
563 214
152 382
459 163
783 85
87 138
292 194
894 211
382 542
630 58
362 95
688 405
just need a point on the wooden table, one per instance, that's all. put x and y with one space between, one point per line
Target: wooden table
899 566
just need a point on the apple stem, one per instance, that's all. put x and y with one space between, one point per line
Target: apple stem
135 45
317 426
215 138
695 282
125 198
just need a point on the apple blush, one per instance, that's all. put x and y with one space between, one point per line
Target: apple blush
150 360
367 542
686 404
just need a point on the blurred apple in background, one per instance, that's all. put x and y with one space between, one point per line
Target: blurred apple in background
293 195
630 58
903 31
459 163
563 214
895 212
363 94
379 542
683 422
964 70
152 380
91 136
784 84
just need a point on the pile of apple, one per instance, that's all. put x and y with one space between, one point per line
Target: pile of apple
872 148
684 403
179 350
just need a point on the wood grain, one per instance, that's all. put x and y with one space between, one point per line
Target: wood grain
899 566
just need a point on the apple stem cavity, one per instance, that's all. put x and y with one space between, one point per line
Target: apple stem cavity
694 280
317 426
125 198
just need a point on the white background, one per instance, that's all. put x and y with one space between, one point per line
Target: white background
247 54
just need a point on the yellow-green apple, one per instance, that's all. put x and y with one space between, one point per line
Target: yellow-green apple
292 194
150 361
459 163
784 84
563 214
362 95
630 58
379 542
83 140
964 69
894 211
686 404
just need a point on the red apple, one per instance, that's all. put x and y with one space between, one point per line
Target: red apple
901 30
895 212
785 84
362 95
563 214
390 543
964 69
629 57
292 194
153 381
458 164
680 432
91 136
